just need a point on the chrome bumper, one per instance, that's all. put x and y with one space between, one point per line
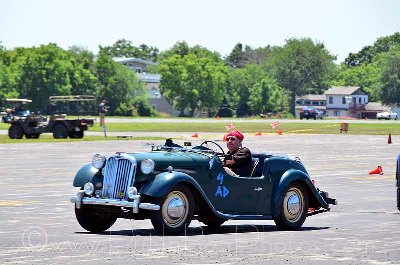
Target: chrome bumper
135 204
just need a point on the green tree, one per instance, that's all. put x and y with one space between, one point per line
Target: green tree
181 48
241 56
44 71
390 76
117 84
366 55
301 64
8 76
240 81
193 81
365 75
82 77
266 96
125 48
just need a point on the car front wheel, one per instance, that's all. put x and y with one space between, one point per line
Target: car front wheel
176 211
94 223
294 207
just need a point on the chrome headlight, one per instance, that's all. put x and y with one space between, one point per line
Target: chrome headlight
147 166
98 161
88 188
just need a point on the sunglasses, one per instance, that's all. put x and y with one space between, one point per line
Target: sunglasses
231 139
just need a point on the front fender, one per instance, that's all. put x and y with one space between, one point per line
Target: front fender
292 176
162 183
85 174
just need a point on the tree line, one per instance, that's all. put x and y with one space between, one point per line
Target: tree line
247 82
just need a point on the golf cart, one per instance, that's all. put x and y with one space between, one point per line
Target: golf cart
19 109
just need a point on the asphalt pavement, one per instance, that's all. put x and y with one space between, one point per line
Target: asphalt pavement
38 224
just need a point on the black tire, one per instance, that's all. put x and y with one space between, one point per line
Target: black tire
15 132
75 134
32 136
60 132
94 223
176 211
212 221
294 208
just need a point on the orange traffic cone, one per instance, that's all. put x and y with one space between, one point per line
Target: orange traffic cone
376 171
258 133
195 135
280 132
390 139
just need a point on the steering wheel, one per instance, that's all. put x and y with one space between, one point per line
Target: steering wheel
215 150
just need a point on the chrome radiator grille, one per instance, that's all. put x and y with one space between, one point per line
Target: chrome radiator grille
119 174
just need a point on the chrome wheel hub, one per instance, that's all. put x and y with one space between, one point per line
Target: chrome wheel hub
293 204
175 209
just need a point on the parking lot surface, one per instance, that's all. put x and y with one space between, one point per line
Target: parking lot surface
38 224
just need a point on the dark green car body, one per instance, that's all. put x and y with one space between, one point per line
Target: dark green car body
216 193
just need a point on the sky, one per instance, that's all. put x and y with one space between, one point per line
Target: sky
344 26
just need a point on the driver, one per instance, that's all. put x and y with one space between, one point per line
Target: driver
238 159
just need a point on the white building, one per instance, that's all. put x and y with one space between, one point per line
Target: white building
152 82
346 101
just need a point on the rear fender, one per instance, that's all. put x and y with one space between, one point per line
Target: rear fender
85 174
289 177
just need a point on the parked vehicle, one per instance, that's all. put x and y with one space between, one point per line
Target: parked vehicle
311 113
387 115
18 109
33 125
171 185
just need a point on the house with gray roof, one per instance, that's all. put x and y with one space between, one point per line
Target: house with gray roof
151 81
346 101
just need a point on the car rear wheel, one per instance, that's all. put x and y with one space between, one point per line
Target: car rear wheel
60 132
94 223
176 211
294 207
15 132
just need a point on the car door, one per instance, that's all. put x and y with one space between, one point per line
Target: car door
232 194
235 194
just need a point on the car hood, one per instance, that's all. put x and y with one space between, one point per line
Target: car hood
182 159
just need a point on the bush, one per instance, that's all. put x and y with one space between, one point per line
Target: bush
143 108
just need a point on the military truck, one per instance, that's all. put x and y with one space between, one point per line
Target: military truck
33 125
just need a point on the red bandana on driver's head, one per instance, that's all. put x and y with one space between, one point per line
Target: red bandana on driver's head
236 134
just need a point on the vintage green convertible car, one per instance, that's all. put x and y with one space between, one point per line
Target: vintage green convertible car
171 185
